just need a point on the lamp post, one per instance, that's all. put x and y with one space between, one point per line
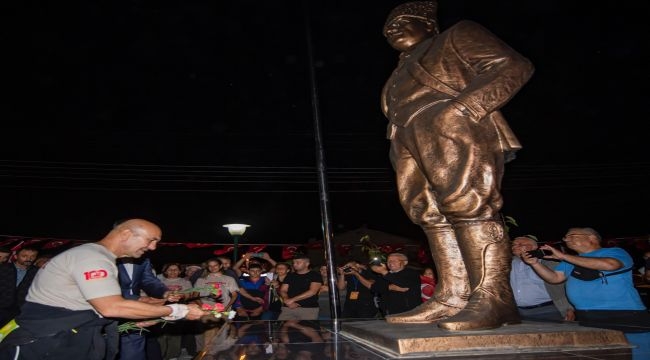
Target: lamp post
236 231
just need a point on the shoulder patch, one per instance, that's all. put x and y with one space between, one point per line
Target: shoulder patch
96 274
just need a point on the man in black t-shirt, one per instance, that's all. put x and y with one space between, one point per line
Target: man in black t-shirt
299 291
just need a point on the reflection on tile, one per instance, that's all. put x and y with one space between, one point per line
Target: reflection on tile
314 340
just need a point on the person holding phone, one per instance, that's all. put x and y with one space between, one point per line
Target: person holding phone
354 279
599 284
400 290
535 298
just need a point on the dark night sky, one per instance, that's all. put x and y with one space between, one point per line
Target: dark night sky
197 113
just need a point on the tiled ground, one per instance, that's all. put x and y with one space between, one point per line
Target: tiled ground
314 340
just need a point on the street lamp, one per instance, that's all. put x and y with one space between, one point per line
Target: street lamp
236 231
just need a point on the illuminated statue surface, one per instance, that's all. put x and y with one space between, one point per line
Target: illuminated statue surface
449 144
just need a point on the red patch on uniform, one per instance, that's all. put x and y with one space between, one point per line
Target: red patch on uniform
96 274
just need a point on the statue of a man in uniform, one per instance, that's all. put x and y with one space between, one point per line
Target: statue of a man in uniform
449 144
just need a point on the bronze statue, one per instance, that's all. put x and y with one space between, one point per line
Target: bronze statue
449 144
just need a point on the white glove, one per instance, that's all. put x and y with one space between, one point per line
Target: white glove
179 311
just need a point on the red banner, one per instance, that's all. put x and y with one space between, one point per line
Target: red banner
387 249
256 248
224 250
288 251
344 249
315 245
55 244
25 243
8 241
197 245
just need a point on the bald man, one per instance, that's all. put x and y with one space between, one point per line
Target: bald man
69 306
609 289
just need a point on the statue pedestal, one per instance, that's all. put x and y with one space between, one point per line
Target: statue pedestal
428 341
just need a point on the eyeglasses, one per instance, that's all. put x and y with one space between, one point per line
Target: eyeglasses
568 236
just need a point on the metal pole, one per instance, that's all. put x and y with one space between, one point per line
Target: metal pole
335 307
235 239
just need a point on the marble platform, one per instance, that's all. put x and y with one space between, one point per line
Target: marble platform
428 341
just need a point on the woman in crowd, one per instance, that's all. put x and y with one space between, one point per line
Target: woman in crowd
275 303
170 338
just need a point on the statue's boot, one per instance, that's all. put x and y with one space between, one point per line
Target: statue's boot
487 256
452 289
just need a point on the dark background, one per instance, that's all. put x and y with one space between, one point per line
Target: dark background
195 114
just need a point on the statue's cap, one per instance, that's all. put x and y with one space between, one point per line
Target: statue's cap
425 10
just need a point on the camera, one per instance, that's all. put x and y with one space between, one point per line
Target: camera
375 261
539 253
258 255
347 269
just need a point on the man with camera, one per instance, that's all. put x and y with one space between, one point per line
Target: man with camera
598 280
599 285
400 291
535 298
356 279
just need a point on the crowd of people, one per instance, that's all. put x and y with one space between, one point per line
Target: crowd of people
85 287
443 102
92 284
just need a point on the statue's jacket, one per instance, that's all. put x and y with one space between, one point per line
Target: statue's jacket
467 65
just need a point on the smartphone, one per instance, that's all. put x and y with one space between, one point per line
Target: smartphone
259 255
539 253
